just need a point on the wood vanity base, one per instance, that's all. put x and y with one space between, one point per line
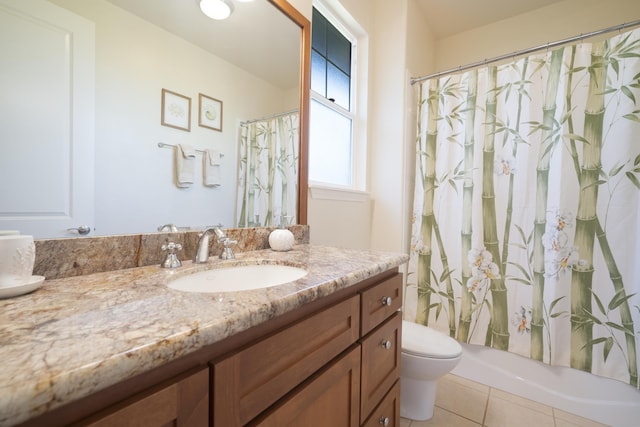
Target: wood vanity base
334 361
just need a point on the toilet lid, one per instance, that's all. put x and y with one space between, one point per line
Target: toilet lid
420 340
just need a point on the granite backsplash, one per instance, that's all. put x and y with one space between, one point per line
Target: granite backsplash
59 258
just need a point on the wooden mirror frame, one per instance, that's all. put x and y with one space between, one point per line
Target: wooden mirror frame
305 86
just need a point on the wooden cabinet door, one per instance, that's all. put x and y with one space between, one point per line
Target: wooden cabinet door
380 302
185 403
380 363
250 381
387 414
330 398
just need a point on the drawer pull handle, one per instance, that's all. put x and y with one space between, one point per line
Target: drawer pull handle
384 421
386 344
386 300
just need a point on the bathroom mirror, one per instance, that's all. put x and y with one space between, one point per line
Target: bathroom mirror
120 61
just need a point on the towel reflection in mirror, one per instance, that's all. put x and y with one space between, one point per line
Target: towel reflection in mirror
185 165
211 168
185 156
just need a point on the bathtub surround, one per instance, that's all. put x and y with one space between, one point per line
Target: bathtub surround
464 403
601 399
525 196
59 258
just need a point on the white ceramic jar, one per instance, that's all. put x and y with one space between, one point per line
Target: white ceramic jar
17 258
281 240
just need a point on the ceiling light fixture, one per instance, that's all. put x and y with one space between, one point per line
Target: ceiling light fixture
216 9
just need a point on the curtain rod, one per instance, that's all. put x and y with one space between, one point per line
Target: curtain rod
273 116
526 51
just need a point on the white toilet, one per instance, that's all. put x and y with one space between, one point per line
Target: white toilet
427 355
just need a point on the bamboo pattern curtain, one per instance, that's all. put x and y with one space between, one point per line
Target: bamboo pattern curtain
268 171
526 220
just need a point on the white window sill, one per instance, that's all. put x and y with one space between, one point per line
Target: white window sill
324 192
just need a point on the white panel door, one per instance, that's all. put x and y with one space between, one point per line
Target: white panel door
46 119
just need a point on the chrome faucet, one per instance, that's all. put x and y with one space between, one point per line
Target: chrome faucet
202 249
168 227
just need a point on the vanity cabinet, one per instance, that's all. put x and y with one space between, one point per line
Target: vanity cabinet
333 361
338 367
380 364
183 402
381 351
379 302
329 398
251 380
387 413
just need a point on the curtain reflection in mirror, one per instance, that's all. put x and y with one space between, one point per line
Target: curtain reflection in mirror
268 170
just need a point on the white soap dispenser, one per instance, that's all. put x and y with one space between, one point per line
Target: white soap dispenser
281 239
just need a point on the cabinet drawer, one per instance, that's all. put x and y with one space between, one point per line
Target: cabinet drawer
388 411
183 403
330 398
380 363
381 301
248 382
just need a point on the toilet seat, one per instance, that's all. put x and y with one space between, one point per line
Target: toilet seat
422 341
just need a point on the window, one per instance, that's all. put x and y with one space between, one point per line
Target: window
330 62
331 146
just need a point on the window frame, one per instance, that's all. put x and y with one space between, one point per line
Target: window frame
354 34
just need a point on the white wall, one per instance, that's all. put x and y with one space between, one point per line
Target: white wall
358 221
555 22
420 57
390 129
303 6
387 124
134 61
420 42
339 218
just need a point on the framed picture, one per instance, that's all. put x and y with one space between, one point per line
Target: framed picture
210 113
176 110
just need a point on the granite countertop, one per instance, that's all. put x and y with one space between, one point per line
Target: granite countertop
78 335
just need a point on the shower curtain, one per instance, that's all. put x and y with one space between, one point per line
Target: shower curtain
526 218
268 172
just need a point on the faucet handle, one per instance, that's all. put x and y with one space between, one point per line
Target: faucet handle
227 253
171 260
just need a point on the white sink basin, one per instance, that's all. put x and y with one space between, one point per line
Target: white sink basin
237 278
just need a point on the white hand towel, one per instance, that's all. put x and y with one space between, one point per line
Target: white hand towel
211 168
185 165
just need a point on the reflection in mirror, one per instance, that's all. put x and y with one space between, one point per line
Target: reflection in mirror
80 140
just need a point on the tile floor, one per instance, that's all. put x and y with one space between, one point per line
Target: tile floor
464 403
